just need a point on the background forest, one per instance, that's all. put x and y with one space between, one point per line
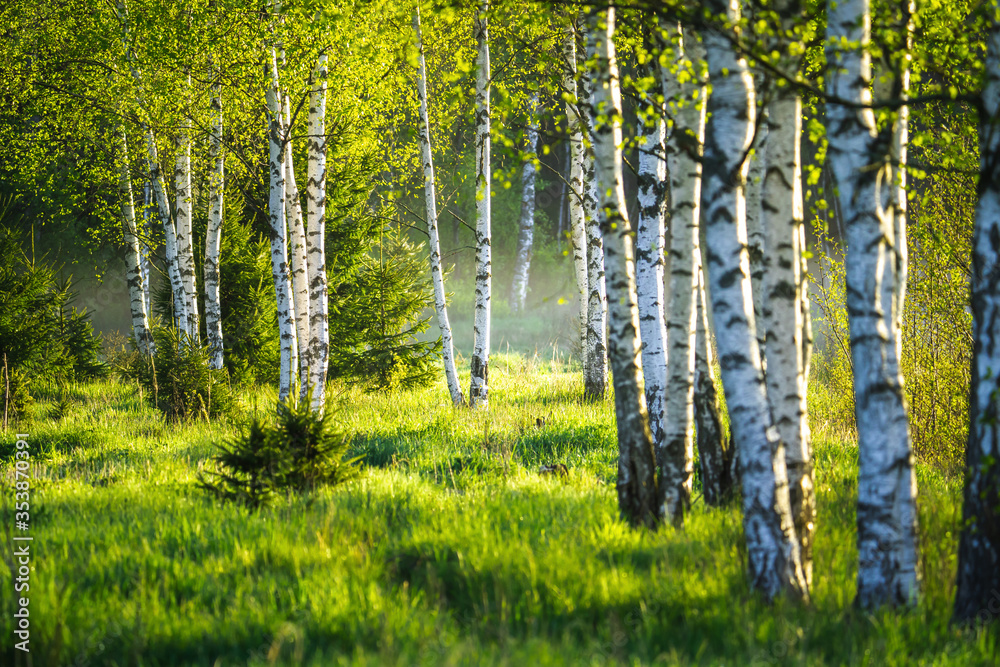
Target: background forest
178 519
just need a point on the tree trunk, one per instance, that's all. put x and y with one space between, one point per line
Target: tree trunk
185 239
297 255
213 234
637 494
526 232
479 389
595 379
133 268
676 471
785 305
887 549
755 232
772 550
430 201
578 166
683 154
279 244
169 234
977 597
716 454
147 230
319 324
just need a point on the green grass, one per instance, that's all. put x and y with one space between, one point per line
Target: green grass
450 549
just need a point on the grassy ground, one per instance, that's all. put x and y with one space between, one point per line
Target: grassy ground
451 549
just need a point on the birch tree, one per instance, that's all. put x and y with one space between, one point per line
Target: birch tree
133 275
637 493
479 389
683 154
772 549
785 304
649 272
576 126
213 234
755 231
297 255
319 323
596 365
276 215
979 547
430 202
183 210
887 549
526 224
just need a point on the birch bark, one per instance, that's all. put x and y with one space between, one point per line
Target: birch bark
297 255
595 380
479 388
185 240
772 550
213 234
576 126
755 232
133 268
147 229
979 548
526 226
430 201
637 493
683 154
676 473
785 304
319 323
887 549
279 240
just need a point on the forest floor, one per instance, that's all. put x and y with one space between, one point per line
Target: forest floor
450 549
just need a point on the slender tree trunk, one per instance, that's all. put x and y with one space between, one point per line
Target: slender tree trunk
430 201
784 304
595 366
279 243
578 165
772 549
169 233
755 232
887 548
319 323
479 389
715 453
185 238
676 472
297 254
147 229
525 238
977 597
683 153
637 493
213 234
133 268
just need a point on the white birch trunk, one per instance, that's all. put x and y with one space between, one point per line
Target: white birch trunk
595 379
297 255
637 493
683 154
887 549
677 474
576 126
319 306
147 229
755 232
213 234
169 233
430 201
279 240
526 231
979 548
185 240
785 304
772 549
133 268
479 388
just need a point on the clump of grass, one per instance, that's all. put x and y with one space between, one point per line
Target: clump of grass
300 451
